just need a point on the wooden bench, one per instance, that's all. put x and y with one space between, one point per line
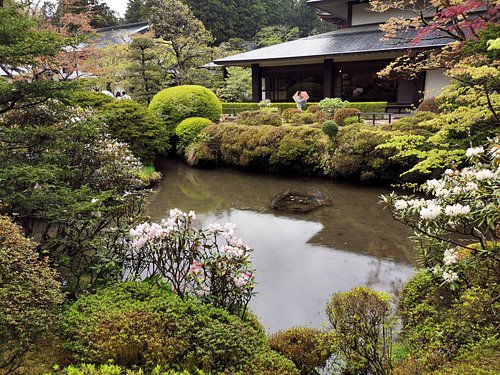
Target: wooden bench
373 116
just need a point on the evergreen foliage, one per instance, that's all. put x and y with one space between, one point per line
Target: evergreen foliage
29 293
132 123
185 36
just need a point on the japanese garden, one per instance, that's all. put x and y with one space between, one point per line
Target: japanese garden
250 187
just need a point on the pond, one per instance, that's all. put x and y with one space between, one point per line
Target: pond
301 259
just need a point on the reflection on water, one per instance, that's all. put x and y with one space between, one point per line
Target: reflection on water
301 259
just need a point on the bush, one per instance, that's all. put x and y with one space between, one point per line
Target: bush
330 128
175 104
261 117
29 293
369 106
313 108
307 347
188 130
283 148
138 324
344 113
110 369
134 124
235 108
356 155
429 105
353 120
362 327
288 113
332 105
298 117
91 99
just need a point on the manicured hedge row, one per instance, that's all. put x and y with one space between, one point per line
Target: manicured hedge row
235 108
369 106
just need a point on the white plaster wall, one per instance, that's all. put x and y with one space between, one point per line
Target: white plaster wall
435 81
361 15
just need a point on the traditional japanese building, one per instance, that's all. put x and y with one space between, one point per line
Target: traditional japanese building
341 63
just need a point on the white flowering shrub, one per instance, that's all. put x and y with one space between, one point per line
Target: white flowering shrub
211 264
460 224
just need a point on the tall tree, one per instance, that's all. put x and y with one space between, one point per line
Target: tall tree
135 11
270 35
146 70
184 35
99 13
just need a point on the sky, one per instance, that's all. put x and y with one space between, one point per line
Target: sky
118 6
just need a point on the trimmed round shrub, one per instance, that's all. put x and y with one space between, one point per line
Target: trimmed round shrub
307 347
188 130
313 108
141 129
29 293
137 324
428 105
175 104
344 113
257 118
330 128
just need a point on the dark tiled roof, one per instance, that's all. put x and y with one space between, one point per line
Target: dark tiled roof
354 40
118 34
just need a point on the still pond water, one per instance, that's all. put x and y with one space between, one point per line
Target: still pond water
300 259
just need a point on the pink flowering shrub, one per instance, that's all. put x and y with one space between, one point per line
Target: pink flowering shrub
464 202
211 263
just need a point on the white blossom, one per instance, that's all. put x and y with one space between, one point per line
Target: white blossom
214 228
400 204
450 276
484 174
457 210
435 184
450 257
417 203
430 212
474 151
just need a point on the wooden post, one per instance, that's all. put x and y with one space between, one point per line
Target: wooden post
328 78
256 83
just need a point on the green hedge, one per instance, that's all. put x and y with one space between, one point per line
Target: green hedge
369 106
235 108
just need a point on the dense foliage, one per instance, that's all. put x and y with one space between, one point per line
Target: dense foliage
188 130
142 325
261 117
175 104
132 123
362 329
451 305
29 293
307 347
274 148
